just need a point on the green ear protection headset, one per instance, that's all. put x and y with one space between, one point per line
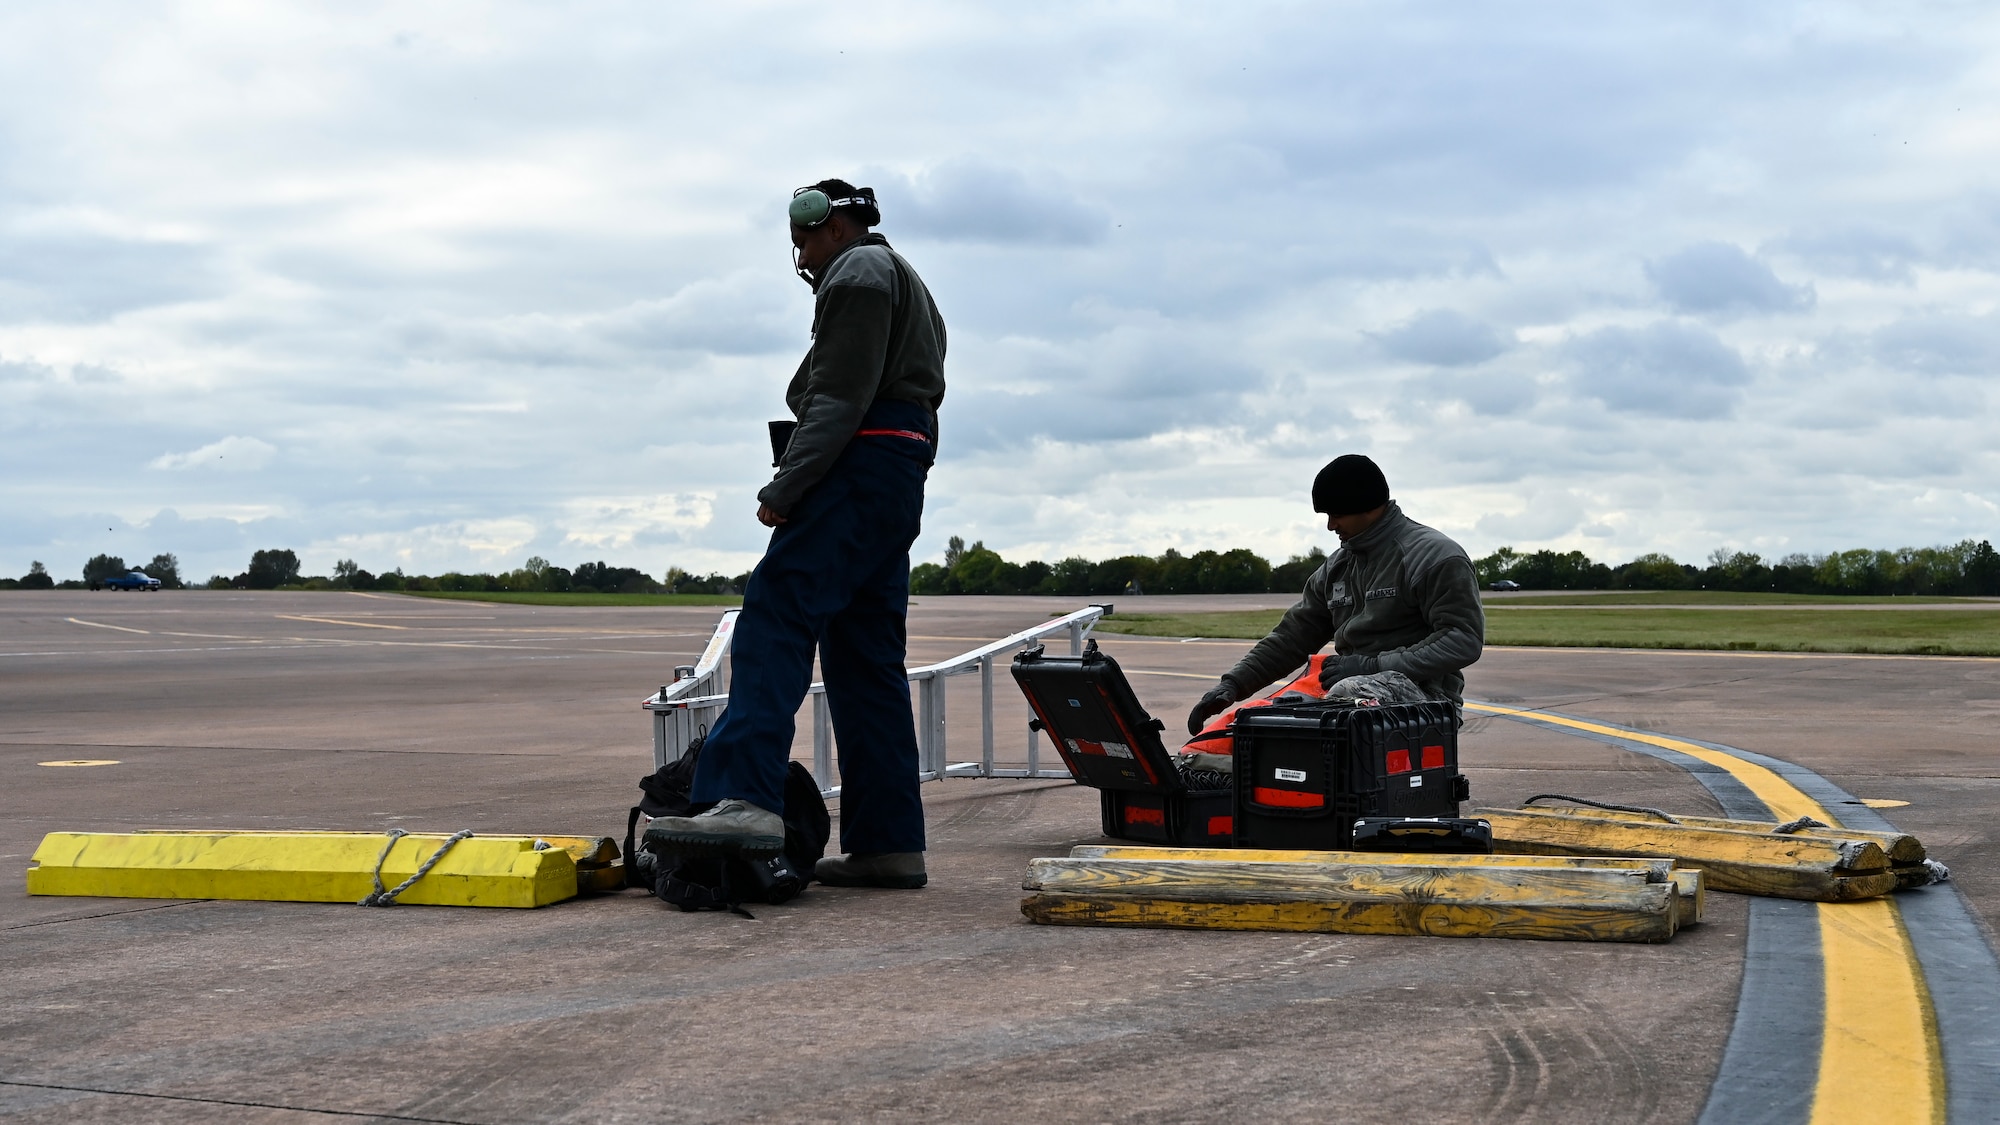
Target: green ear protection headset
811 207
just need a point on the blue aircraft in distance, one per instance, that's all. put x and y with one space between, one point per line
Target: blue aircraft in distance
137 580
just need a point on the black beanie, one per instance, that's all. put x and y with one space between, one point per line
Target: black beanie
1349 484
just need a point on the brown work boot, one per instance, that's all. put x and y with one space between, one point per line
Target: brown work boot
732 827
896 870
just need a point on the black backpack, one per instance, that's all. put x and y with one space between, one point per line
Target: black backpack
713 882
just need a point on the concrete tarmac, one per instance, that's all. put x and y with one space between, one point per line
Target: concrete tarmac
258 710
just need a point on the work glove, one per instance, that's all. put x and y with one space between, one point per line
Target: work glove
1351 664
1218 698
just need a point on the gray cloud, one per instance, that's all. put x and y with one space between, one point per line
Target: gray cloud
1125 382
83 276
1486 392
1666 369
969 200
487 290
1443 338
1870 255
1939 344
1543 516
1719 278
233 454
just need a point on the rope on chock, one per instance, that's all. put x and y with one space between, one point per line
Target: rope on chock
1600 805
380 897
1792 826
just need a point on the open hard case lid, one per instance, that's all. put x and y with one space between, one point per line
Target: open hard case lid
1086 707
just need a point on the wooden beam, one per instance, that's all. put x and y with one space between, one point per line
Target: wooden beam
1689 881
600 867
1906 852
1693 887
1510 900
1814 868
1901 847
1545 924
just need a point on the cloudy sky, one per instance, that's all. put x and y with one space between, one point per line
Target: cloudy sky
447 285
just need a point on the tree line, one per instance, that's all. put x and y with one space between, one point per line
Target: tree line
977 569
164 567
1967 568
537 575
280 569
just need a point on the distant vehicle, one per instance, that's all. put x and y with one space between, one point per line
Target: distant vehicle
137 580
1505 584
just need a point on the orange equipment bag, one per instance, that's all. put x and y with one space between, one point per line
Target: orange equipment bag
1215 737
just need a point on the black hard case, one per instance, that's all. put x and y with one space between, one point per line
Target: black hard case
1438 834
1086 707
1304 772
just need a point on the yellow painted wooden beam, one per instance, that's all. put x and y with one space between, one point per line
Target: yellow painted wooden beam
300 867
1252 881
600 869
1660 867
1693 887
1565 903
1906 852
1689 881
1802 867
1901 847
1557 923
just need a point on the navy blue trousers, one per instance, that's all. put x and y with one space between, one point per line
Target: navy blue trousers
837 576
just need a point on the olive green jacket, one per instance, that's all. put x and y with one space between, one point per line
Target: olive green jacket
1400 597
876 335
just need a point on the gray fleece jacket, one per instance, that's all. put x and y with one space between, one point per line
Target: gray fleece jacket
1400 597
876 335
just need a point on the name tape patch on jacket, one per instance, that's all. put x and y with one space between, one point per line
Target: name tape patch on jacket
1382 592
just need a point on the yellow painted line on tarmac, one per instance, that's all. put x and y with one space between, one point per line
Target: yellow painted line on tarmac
81 762
102 625
1880 1061
1176 675
1784 798
336 621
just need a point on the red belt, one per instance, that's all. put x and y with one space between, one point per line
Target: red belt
911 434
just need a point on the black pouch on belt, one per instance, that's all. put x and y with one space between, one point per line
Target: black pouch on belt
781 439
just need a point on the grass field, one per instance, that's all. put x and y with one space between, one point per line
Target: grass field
1711 597
1915 631
518 598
